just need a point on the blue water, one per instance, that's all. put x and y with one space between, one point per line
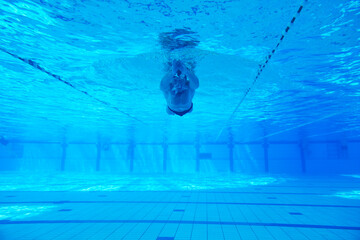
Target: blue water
275 119
110 49
110 54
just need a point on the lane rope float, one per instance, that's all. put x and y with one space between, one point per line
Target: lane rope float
262 66
57 77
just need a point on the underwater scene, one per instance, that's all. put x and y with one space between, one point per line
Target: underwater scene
180 119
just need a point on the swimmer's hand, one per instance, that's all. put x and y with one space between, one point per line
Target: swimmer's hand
179 72
178 68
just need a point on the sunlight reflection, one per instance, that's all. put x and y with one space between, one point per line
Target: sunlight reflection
108 182
351 175
350 195
19 211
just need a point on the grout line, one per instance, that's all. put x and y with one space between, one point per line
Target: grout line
356 228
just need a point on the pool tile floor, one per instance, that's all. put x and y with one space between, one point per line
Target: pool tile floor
299 208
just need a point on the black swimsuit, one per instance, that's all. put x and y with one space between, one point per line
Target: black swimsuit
183 112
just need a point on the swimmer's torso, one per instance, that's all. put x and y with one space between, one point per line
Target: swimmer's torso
178 86
181 99
180 93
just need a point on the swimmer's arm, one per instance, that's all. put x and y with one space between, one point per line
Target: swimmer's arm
178 65
194 81
165 82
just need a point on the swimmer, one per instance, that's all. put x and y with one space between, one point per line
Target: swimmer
179 85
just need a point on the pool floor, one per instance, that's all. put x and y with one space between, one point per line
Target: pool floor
129 207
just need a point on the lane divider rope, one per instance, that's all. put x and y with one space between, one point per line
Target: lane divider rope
57 77
262 66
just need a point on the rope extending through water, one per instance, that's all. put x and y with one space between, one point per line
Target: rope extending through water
57 77
262 66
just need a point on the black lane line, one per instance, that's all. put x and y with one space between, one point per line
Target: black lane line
57 77
183 202
8 222
146 191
